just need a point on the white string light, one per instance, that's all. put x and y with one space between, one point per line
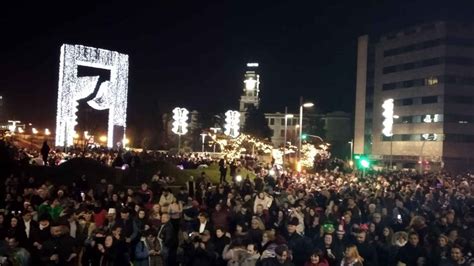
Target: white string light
180 124
112 94
232 123
388 117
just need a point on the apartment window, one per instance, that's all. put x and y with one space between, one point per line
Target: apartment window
429 99
390 69
408 66
272 121
282 121
431 81
431 62
282 133
408 83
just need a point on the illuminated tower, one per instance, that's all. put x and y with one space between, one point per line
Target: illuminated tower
250 97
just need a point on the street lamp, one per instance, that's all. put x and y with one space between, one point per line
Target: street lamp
103 138
34 131
47 132
203 135
214 130
391 144
351 163
302 105
286 129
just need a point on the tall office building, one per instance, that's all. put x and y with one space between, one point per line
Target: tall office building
415 97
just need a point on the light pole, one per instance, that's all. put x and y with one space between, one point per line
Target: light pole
203 135
421 157
302 105
286 129
214 130
391 145
352 150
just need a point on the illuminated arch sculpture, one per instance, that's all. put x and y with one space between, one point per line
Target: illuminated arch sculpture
111 95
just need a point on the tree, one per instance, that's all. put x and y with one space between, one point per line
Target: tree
256 124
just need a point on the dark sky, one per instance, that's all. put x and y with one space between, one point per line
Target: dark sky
193 53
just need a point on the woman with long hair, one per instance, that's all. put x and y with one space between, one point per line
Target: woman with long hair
352 257
268 245
256 230
108 251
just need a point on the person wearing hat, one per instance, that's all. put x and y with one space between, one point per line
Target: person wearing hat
299 245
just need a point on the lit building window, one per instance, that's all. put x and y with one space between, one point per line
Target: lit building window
431 81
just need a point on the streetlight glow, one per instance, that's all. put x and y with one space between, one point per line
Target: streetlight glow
302 105
47 132
103 138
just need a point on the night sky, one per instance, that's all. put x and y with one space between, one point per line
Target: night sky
193 54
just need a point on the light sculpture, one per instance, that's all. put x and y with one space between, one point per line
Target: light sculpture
180 124
12 126
232 123
388 117
111 94
429 119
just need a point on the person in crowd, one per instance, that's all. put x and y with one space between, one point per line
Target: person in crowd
366 250
441 250
272 219
412 254
16 230
60 249
282 258
221 240
17 255
456 258
352 257
168 241
330 250
154 248
45 152
203 223
316 259
166 198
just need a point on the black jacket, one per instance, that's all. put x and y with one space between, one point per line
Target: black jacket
168 236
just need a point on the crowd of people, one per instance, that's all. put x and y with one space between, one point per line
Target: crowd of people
311 219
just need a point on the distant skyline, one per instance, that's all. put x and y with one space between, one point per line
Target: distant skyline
194 54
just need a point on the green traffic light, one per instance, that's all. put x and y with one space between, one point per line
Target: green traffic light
365 163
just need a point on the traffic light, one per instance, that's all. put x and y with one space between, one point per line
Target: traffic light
362 161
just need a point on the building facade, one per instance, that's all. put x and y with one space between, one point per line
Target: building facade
424 78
